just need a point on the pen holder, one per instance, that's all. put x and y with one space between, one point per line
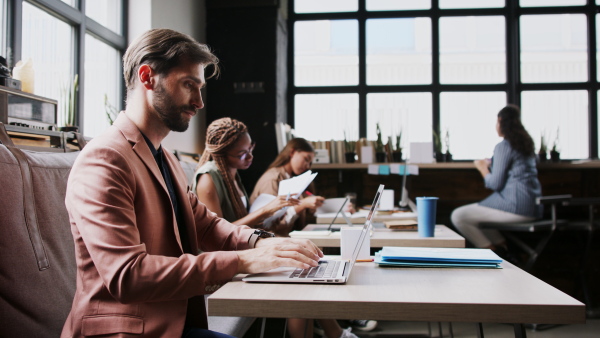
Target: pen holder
348 240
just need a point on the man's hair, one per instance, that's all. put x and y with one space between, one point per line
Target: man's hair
220 136
163 49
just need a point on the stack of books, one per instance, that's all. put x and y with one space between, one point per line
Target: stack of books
438 257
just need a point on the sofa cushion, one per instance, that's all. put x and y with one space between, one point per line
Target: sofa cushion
37 264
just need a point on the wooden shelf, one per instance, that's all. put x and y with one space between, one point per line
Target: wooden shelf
591 164
42 139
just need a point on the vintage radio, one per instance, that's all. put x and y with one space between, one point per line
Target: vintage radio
27 110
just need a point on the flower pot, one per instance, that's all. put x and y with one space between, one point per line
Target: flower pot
542 156
397 156
380 156
350 157
439 157
555 156
68 128
447 157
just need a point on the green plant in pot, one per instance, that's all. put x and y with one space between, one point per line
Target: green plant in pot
397 153
110 110
69 99
350 148
542 153
437 147
554 153
447 154
379 148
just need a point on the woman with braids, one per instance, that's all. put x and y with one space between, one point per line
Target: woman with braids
512 175
229 149
295 158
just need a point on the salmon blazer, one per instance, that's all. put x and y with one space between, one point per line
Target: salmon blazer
133 277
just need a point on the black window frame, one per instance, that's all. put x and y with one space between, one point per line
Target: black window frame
82 25
513 86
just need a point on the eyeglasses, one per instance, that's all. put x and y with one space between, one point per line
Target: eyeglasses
245 154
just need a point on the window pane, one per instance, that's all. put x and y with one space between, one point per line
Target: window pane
471 3
553 48
323 117
3 29
470 119
48 42
325 6
409 112
472 49
597 46
545 112
102 77
69 2
397 5
326 53
106 12
398 51
548 3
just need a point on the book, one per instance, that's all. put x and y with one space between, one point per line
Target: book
402 224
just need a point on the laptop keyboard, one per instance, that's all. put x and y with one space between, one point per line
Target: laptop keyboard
325 269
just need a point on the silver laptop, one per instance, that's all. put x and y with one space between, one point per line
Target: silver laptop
330 227
328 271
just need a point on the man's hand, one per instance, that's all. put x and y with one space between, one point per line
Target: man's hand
271 253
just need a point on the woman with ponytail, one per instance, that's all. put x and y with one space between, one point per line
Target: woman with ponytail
512 175
229 149
295 159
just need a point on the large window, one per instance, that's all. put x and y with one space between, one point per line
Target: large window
446 67
65 39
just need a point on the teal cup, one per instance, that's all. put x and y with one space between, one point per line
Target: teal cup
426 209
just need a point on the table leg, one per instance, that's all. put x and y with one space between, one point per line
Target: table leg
262 327
479 328
520 331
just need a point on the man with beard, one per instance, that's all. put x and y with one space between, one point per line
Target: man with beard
146 249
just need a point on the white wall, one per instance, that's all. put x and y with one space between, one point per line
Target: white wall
186 16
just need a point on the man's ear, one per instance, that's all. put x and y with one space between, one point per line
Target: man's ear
146 76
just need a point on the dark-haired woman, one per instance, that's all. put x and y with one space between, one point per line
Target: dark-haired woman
295 158
512 175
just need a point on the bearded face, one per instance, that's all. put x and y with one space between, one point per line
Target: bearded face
169 112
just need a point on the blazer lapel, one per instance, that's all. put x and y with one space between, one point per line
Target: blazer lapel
139 146
182 189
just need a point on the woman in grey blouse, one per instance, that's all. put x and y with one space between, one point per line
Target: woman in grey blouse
512 175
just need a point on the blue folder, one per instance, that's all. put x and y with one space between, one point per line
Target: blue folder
437 257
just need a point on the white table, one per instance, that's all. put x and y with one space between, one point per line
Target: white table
444 237
508 295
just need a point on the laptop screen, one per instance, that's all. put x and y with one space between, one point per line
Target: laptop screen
367 226
338 213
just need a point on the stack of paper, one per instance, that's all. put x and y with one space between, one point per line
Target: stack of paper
438 257
293 187
296 185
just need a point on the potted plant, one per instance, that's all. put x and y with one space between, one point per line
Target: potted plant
542 153
350 148
554 153
379 148
69 104
437 147
110 110
447 155
397 153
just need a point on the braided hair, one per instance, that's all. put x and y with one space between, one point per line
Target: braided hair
221 134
